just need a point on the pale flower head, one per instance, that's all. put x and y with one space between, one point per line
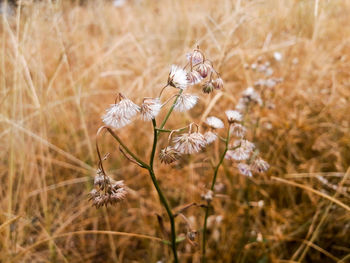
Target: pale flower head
259 165
238 154
244 169
204 69
238 130
214 122
233 116
119 114
210 137
178 77
150 108
196 57
185 102
188 143
168 155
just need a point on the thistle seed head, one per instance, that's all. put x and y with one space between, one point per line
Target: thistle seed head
150 108
210 137
218 83
259 165
204 69
185 102
194 77
119 114
233 116
188 143
168 155
178 77
238 130
214 122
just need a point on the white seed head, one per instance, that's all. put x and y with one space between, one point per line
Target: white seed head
185 102
250 94
214 122
245 144
238 130
150 108
238 154
168 155
210 137
259 165
233 116
194 78
178 77
118 115
188 143
244 169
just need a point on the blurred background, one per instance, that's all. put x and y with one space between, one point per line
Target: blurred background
62 64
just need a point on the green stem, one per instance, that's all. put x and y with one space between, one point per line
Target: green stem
160 193
170 110
115 136
212 189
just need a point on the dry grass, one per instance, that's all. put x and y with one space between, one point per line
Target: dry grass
62 64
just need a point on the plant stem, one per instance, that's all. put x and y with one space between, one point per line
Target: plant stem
170 110
160 193
212 189
143 164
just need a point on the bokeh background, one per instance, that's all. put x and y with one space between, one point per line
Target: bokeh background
63 62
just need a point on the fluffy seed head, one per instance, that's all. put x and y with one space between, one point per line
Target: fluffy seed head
245 144
168 155
259 165
210 137
150 108
118 115
106 191
188 143
238 130
214 122
178 77
244 169
250 95
185 102
238 154
233 116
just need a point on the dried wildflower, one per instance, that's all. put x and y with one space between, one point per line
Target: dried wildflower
194 77
218 83
150 108
245 144
259 165
188 143
208 87
196 57
204 69
244 169
214 122
233 116
238 130
185 102
210 137
238 154
119 115
178 77
208 196
168 155
107 191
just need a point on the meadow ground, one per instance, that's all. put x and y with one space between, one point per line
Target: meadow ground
62 64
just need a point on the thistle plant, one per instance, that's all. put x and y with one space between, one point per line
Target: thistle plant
198 73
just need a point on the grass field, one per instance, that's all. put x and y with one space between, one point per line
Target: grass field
63 63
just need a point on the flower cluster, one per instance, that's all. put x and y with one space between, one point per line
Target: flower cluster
106 191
